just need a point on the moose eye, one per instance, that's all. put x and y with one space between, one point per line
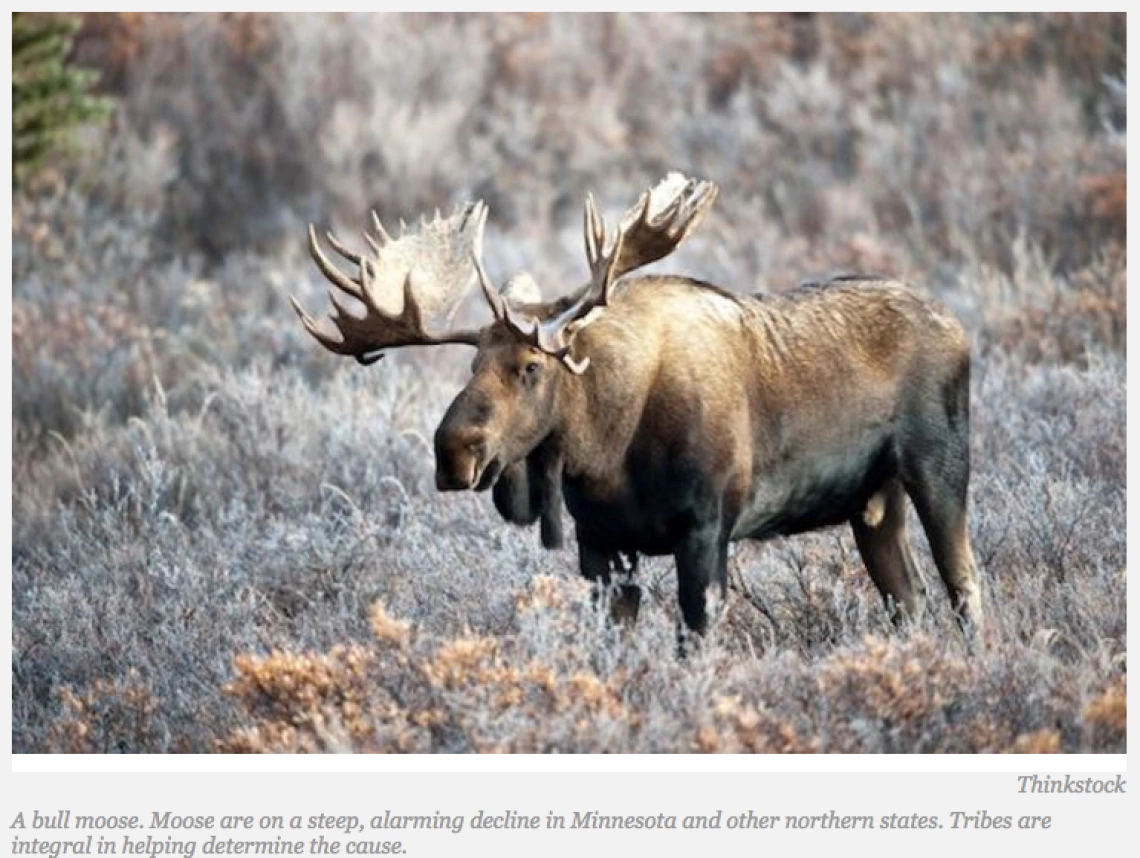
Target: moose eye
531 370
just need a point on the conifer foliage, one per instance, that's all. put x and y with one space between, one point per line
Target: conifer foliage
50 97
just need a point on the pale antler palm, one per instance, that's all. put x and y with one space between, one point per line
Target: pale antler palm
406 281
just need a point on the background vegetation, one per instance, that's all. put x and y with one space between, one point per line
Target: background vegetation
226 539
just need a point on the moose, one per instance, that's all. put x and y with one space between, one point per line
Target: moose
673 416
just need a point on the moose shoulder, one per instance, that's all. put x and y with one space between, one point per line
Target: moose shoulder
680 417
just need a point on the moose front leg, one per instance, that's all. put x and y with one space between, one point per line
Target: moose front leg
532 489
626 596
702 575
511 494
545 472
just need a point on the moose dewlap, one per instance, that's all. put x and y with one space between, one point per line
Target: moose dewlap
673 417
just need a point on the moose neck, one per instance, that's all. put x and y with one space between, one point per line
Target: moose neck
596 416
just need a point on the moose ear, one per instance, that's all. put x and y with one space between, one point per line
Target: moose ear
521 289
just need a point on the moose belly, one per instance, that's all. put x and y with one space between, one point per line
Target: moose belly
808 492
629 522
655 507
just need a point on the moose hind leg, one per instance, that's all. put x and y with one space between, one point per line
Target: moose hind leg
938 486
702 574
880 534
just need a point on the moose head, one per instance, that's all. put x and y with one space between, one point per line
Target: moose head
526 359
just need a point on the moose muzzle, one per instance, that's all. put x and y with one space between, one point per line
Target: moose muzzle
464 457
463 460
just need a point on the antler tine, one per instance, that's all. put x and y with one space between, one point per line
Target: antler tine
609 275
410 316
380 231
643 209
526 328
600 261
373 244
337 277
338 305
673 215
498 305
476 211
342 249
320 336
594 229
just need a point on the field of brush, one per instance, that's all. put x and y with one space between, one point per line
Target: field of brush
227 539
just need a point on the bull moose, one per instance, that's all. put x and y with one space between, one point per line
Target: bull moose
675 417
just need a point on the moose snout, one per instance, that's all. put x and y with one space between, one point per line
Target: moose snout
460 457
463 444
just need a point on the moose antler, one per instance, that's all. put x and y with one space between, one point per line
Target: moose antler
417 276
663 217
650 230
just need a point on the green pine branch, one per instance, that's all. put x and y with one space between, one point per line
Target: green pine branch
51 99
